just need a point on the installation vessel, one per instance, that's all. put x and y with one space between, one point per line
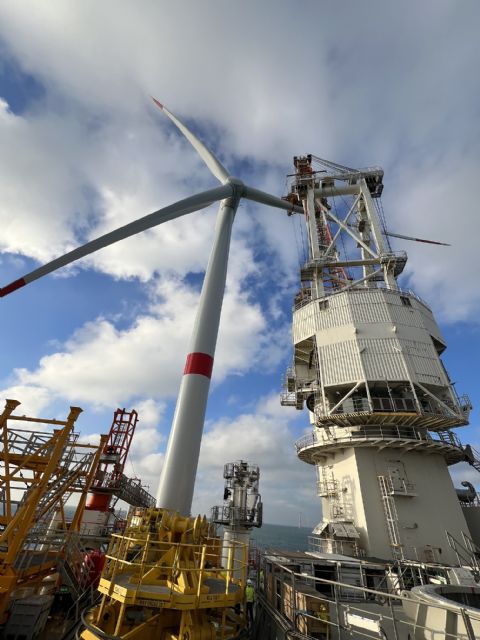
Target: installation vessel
396 554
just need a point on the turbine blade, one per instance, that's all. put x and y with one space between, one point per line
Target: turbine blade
272 201
181 208
207 156
397 235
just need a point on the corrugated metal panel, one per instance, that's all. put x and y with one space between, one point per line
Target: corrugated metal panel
340 306
335 316
367 296
338 530
340 363
370 313
405 315
311 318
424 362
304 323
320 528
350 530
382 359
430 325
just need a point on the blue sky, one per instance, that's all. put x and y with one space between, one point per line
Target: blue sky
84 151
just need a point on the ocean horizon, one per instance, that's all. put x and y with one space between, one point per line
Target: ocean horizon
280 536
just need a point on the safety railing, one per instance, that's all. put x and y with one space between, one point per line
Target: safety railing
332 545
399 486
130 490
327 488
322 437
305 295
298 604
141 557
474 502
239 516
388 404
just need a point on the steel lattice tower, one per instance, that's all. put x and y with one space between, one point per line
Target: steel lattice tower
367 365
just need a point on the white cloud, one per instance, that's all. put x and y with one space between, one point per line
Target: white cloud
438 205
105 366
373 88
33 399
41 197
263 81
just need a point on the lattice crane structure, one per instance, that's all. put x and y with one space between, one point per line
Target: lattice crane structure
367 365
110 483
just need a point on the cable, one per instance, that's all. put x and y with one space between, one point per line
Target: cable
383 222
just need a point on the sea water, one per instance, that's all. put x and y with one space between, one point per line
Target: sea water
276 536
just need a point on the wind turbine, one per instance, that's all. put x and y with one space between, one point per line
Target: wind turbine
178 476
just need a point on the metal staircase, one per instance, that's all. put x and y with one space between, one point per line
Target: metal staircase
472 456
68 480
76 567
132 492
468 553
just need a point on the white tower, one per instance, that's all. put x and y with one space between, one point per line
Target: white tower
367 365
242 508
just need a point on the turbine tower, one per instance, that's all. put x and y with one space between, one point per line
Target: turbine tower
178 476
367 365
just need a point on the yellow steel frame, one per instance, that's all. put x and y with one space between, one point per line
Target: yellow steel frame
30 472
164 579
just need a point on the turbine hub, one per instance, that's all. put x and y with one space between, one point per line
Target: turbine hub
238 188
234 181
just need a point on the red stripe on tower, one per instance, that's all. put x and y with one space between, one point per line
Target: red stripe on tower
13 286
200 363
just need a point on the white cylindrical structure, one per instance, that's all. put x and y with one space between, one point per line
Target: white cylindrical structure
235 550
241 510
176 486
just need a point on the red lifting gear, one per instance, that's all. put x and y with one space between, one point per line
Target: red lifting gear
112 462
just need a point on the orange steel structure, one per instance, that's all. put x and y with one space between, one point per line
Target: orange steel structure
39 470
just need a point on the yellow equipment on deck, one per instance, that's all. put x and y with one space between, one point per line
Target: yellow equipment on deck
39 471
163 580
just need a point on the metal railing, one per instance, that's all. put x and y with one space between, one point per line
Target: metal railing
129 555
326 488
239 516
130 490
388 404
473 503
307 296
467 553
322 437
332 545
302 605
399 486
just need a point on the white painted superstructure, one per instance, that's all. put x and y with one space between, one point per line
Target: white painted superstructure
367 365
